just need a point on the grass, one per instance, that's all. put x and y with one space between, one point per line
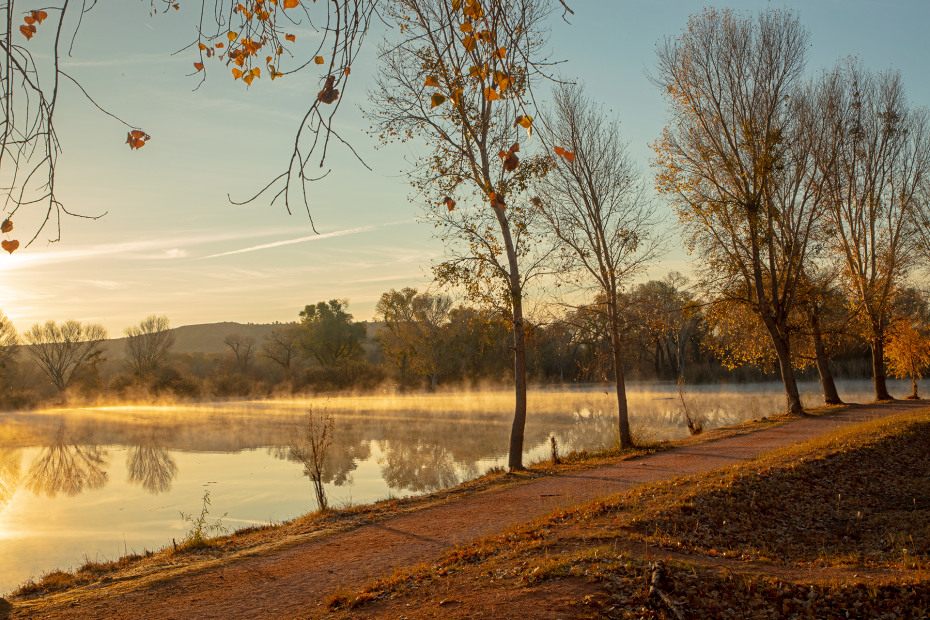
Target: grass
822 505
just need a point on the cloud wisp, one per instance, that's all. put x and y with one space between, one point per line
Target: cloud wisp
304 239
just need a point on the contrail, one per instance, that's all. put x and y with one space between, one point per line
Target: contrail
275 244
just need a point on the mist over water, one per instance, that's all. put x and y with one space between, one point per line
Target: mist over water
97 483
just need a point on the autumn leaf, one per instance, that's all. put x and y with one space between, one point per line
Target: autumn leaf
348 70
7 225
450 204
490 94
136 138
290 37
232 35
201 46
456 95
198 66
563 153
431 81
329 93
524 121
39 16
469 43
466 27
236 73
9 246
511 161
319 60
290 4
437 99
27 31
501 53
248 79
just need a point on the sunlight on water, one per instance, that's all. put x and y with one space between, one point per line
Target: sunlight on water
97 483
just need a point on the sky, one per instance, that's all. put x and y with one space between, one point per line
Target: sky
172 243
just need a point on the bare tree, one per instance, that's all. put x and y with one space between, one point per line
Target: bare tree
877 165
242 347
62 350
148 343
459 80
598 209
8 341
282 346
737 161
313 441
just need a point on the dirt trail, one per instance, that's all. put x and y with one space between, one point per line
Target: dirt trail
295 582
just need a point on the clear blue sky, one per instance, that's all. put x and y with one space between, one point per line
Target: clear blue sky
172 244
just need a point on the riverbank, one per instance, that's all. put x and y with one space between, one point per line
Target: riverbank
294 571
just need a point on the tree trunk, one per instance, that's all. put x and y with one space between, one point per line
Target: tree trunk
515 460
878 369
827 385
623 418
914 395
783 351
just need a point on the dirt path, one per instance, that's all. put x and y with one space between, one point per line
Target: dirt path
296 581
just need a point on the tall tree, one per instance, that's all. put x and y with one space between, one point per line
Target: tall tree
736 161
458 81
62 349
148 344
417 334
597 208
877 165
329 334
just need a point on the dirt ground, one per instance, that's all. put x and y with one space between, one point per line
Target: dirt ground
296 581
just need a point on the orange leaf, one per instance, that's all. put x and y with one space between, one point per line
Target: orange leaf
329 93
525 121
27 31
139 134
450 204
30 19
490 94
198 66
220 44
469 43
9 246
319 60
348 70
232 35
202 46
7 226
431 81
570 157
436 100
290 37
236 73
466 27
257 72
39 16
248 79
268 59
501 53
290 4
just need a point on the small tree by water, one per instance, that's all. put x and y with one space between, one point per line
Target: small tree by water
313 441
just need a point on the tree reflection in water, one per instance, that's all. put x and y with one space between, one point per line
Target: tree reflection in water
421 467
151 467
9 474
68 468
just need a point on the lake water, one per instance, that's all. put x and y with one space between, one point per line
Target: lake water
97 483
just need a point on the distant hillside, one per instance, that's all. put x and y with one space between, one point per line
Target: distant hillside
208 337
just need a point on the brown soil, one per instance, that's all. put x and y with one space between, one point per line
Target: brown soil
296 581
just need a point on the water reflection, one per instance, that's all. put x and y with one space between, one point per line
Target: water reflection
151 467
9 474
68 468
422 467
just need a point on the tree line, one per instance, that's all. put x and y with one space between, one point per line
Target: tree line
427 341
